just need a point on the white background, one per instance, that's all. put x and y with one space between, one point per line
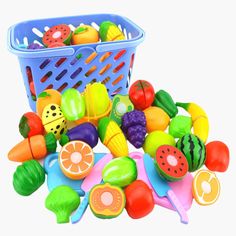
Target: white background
190 50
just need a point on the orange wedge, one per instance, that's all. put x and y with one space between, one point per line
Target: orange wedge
206 187
76 159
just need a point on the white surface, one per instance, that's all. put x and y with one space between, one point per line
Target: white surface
190 50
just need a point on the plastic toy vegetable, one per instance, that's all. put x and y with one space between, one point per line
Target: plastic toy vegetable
84 34
134 127
171 163
156 119
76 159
120 172
63 200
109 31
156 139
36 147
112 137
217 156
106 201
30 125
206 187
48 96
28 177
54 120
97 103
72 105
139 199
120 105
194 150
141 94
180 126
165 102
85 132
199 119
57 34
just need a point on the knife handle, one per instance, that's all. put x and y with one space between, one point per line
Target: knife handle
178 206
80 210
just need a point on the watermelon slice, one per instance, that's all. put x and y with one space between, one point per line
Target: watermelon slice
171 163
58 34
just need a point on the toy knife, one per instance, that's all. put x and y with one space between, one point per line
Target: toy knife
162 188
95 177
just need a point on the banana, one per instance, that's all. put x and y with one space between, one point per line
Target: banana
199 119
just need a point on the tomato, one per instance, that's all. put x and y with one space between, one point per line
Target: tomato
217 156
139 199
30 125
141 94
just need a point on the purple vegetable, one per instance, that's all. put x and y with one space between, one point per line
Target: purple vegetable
85 132
34 46
134 127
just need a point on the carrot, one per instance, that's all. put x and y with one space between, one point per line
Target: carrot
38 146
35 147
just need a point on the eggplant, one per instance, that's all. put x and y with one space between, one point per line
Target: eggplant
85 132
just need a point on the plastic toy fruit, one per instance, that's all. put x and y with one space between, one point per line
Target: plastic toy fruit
120 172
199 119
85 132
28 177
54 120
180 126
84 34
171 163
106 201
139 199
72 105
109 31
217 156
156 119
165 102
57 34
134 127
30 125
156 139
141 94
34 46
76 159
194 150
120 105
62 200
206 187
112 137
36 147
97 102
49 96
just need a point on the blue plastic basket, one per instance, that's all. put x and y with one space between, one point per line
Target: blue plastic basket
75 66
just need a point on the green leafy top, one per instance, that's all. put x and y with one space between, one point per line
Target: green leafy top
44 94
80 30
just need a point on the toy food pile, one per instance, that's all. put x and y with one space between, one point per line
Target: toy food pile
175 149
62 35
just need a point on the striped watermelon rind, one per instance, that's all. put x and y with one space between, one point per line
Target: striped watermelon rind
194 150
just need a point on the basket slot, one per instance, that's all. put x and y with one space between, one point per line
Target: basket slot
125 33
77 85
105 56
60 62
129 35
61 75
50 86
119 54
25 41
36 41
44 63
116 91
62 87
90 71
95 26
46 77
106 80
93 81
119 67
105 69
118 79
76 73
90 58
72 27
37 32
46 28
132 60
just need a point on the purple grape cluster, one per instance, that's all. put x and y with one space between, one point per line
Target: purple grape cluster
34 46
134 127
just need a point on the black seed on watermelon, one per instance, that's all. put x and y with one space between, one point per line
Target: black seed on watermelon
60 33
194 150
171 163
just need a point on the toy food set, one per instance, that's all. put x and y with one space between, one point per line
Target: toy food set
77 71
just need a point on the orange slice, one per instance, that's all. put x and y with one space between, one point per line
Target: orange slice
76 159
206 187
